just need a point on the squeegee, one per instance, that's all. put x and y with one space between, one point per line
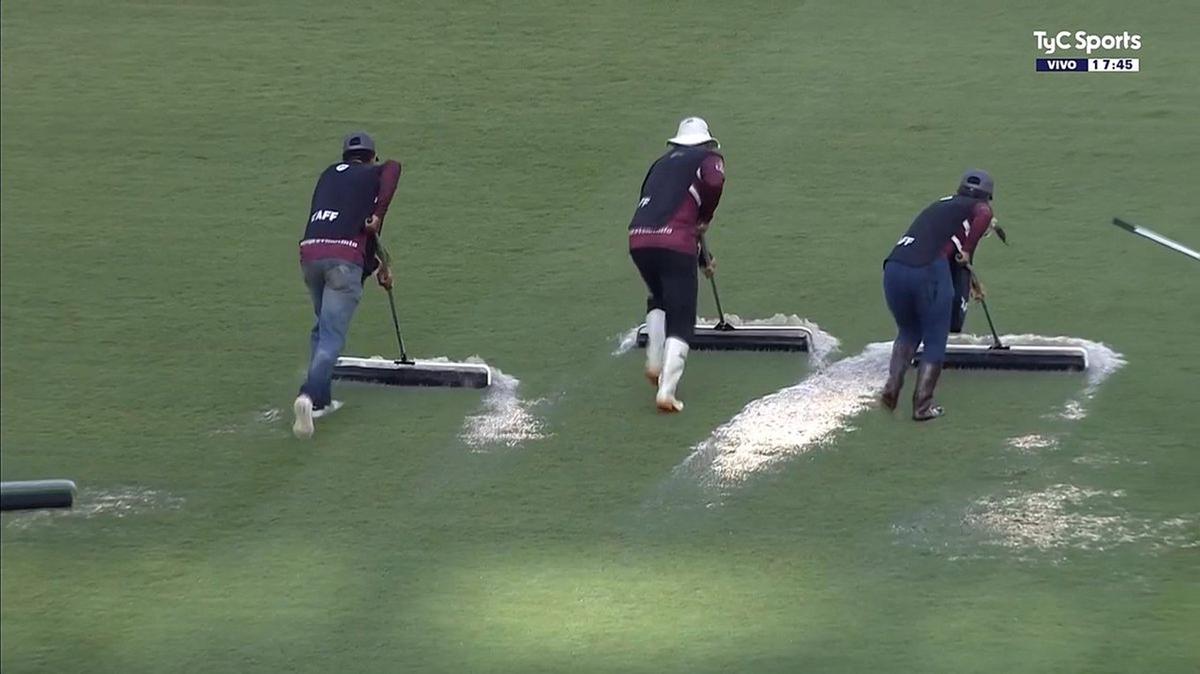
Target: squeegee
727 337
1000 356
406 371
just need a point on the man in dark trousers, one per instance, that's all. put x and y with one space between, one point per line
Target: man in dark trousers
678 199
338 253
919 290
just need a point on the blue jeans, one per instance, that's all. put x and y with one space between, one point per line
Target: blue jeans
335 287
920 299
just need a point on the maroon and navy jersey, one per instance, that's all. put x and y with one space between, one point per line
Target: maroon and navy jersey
948 226
681 191
347 193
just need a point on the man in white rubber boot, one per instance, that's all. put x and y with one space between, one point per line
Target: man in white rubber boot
678 199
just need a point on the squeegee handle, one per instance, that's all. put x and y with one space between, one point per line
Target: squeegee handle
396 324
995 338
712 280
992 326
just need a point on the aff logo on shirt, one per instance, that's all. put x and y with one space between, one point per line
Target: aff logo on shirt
319 216
905 241
644 202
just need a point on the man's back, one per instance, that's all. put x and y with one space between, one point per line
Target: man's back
342 200
931 230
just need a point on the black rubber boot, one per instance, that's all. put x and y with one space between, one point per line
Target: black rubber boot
927 378
902 355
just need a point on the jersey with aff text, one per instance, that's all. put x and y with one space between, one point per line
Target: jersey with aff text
949 226
342 201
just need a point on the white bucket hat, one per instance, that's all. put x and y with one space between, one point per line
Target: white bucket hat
693 131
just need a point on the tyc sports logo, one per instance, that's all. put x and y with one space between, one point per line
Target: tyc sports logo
1084 41
1051 43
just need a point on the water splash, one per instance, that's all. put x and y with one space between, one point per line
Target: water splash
264 421
1102 363
821 349
1030 444
791 421
506 419
625 342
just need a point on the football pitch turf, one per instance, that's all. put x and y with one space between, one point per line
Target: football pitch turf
157 162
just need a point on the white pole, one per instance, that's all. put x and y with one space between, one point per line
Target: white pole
1157 238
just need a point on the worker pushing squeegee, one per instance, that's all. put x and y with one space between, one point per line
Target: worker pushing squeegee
337 254
340 250
679 197
919 290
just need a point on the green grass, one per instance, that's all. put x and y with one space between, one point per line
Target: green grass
157 161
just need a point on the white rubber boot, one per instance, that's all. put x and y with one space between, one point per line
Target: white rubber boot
656 337
303 408
675 358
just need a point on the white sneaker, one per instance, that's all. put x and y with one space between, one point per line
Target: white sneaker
333 406
656 336
303 408
676 351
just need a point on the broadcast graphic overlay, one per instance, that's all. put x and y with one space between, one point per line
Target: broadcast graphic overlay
1114 59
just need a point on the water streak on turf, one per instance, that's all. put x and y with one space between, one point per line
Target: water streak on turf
1030 444
506 419
1052 520
1068 516
791 421
799 418
1106 459
118 502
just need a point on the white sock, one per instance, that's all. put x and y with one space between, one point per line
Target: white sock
656 337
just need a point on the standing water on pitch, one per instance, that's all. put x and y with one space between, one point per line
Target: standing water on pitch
799 418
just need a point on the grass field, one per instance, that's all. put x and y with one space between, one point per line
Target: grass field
157 161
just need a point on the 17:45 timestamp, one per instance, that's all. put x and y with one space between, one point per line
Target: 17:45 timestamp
1113 65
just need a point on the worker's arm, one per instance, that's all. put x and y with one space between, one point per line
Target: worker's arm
706 260
389 179
966 241
710 185
383 263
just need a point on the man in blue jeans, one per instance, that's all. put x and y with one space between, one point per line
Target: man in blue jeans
337 253
918 288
